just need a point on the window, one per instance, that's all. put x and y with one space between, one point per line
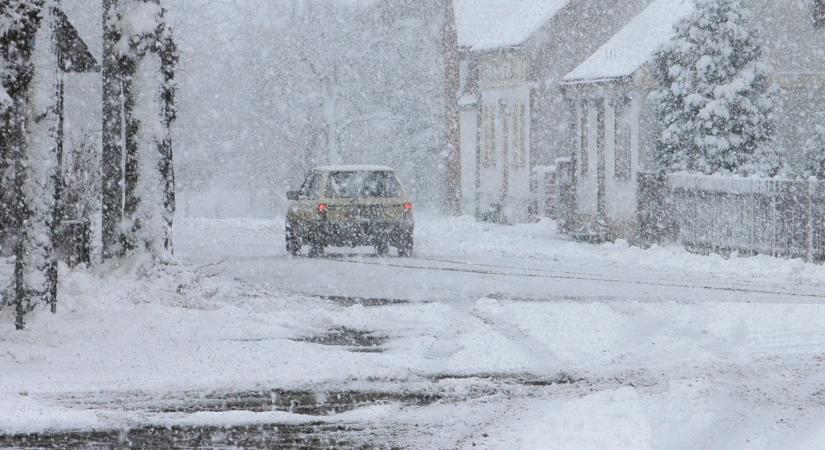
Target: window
311 185
584 163
623 161
819 12
504 112
519 144
362 185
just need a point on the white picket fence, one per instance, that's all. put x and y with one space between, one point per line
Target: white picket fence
765 216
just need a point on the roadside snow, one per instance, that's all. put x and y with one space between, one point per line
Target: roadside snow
663 364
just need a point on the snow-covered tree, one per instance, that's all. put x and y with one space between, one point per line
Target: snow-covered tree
714 95
30 76
148 59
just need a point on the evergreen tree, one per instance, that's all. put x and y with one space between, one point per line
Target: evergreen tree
714 95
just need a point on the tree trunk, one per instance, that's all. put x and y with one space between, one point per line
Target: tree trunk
130 168
22 298
449 42
169 60
112 152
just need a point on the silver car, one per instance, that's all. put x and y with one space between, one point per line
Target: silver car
350 206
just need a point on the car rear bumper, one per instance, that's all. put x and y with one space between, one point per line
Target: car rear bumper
397 234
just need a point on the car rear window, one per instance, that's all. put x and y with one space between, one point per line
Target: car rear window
362 184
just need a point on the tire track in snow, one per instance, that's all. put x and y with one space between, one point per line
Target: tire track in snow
473 268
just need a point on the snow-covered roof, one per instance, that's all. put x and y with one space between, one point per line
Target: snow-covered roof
634 45
355 168
490 24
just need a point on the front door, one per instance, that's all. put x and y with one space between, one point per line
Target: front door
504 172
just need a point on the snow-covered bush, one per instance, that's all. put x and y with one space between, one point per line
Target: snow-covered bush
81 180
714 96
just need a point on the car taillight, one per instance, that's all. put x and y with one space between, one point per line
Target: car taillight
322 209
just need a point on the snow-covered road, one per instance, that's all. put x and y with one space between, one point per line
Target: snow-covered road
514 336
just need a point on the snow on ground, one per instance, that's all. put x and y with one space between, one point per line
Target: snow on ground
662 348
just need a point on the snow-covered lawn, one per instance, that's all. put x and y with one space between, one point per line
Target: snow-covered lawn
655 348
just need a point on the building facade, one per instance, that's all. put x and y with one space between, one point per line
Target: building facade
613 124
513 116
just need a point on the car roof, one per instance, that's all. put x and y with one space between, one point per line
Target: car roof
354 168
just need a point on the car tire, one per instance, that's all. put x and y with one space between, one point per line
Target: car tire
293 247
382 248
293 242
316 250
405 246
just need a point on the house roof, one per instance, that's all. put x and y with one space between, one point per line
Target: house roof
634 45
491 24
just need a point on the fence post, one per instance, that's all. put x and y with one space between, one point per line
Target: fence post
810 224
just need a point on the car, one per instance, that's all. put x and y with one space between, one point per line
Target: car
350 206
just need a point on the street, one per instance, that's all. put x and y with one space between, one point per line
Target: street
487 336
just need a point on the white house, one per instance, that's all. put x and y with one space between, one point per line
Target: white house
614 127
512 112
612 122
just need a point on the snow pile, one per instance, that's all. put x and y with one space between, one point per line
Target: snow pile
490 24
635 44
